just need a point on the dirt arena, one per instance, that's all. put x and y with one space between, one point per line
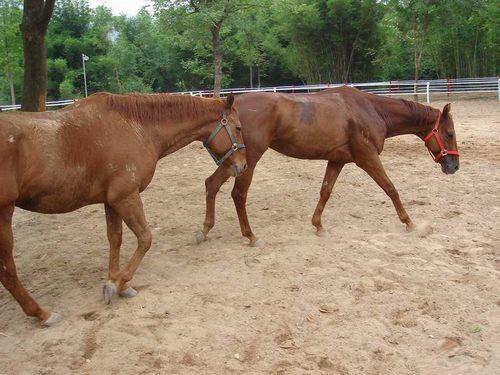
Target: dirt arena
368 298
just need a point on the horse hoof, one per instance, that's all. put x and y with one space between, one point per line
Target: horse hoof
109 291
257 243
53 319
423 229
128 293
200 237
321 232
410 227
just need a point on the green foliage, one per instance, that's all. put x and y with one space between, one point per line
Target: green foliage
66 89
11 51
329 40
456 38
263 42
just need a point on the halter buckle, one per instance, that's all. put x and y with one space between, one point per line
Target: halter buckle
235 147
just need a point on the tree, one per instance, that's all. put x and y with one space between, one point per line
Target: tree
36 18
329 40
142 55
10 44
211 14
252 28
188 45
415 18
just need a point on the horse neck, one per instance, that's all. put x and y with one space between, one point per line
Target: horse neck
164 122
171 135
407 117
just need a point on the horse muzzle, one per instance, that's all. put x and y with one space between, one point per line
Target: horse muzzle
239 169
449 164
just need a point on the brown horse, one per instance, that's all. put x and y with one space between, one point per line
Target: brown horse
103 149
341 125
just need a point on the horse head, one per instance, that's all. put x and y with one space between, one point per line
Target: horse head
227 147
442 142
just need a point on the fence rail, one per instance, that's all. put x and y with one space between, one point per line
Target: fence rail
391 88
422 88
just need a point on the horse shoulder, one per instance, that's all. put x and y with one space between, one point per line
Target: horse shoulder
9 145
367 129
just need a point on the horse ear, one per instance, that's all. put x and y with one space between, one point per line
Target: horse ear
446 109
230 101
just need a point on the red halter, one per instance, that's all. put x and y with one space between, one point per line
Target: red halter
435 133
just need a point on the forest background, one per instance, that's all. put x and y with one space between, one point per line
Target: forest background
178 45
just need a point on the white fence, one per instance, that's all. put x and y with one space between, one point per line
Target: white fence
60 103
423 88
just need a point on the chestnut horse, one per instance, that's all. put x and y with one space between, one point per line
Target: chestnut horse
103 149
341 125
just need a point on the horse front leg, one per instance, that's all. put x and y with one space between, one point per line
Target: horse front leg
212 186
239 195
130 209
372 165
332 172
8 272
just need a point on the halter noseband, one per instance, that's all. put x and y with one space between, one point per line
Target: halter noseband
234 147
435 133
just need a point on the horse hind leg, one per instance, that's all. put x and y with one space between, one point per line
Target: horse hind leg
130 209
8 272
332 172
212 186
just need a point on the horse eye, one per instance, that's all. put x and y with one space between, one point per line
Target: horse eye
238 128
450 133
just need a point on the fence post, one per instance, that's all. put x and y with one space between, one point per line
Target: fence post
428 93
498 88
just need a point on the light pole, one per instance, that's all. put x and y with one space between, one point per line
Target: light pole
85 58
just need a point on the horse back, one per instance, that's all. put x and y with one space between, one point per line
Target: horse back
307 126
321 125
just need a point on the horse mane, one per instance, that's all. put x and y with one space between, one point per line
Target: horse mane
420 111
157 107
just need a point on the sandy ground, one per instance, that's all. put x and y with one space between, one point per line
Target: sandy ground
367 299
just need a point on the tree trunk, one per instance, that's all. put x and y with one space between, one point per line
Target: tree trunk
10 78
217 58
36 17
35 73
251 76
415 87
118 82
258 76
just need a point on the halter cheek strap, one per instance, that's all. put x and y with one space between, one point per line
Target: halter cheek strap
235 144
434 133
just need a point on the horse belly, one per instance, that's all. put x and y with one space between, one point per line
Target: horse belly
54 193
318 146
